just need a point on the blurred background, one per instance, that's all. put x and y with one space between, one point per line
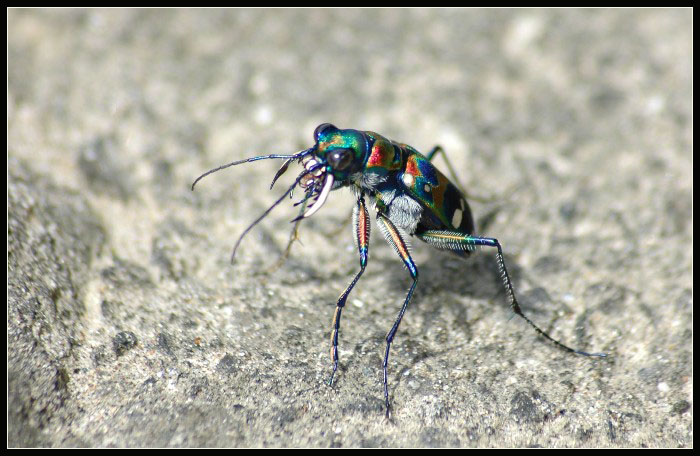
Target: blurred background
128 326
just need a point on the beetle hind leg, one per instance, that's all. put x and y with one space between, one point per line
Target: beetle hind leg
455 240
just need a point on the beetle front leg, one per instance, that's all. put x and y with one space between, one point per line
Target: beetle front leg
293 237
360 219
455 240
393 237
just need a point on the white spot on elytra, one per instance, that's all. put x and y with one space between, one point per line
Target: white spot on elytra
407 179
457 218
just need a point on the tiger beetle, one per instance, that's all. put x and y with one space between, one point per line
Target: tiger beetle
410 196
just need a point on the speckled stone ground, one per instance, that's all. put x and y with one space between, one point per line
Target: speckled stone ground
127 326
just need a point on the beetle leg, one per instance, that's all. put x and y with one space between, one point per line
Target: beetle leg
454 240
361 225
430 157
479 198
293 237
394 237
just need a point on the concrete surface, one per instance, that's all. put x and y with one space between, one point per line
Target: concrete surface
128 327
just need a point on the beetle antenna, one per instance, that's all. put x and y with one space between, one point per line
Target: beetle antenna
264 214
252 159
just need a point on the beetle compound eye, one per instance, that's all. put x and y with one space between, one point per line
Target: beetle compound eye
321 128
340 159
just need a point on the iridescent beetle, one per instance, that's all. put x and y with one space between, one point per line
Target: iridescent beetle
410 196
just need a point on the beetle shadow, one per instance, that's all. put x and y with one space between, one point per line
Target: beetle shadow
291 265
446 279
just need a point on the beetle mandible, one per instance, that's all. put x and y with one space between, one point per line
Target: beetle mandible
411 197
